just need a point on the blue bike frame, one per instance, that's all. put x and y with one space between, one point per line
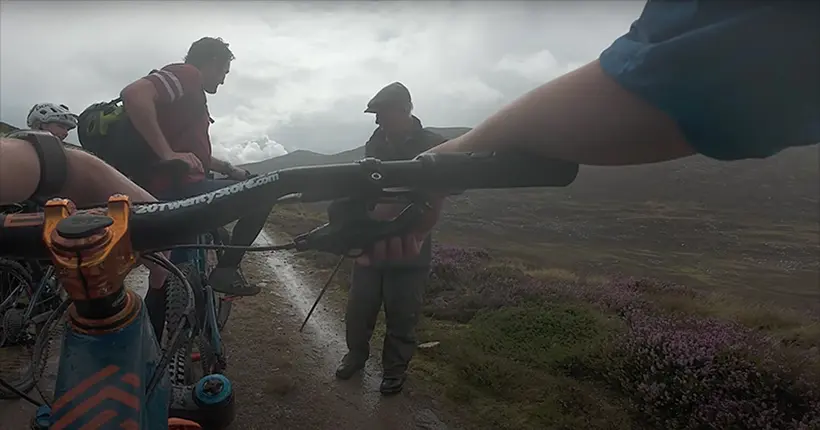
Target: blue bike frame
102 379
199 257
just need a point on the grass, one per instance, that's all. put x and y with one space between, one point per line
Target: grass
507 369
529 345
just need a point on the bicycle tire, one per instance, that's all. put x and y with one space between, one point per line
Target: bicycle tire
223 312
180 367
16 359
42 347
222 236
14 267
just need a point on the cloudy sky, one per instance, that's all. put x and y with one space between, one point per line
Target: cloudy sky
303 72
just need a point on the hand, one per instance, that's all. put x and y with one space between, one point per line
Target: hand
193 162
400 248
238 174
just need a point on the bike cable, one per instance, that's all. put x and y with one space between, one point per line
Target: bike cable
280 247
19 393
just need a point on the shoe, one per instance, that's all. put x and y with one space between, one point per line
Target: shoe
348 368
229 281
392 385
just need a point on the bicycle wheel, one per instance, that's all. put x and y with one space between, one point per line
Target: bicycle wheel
15 281
223 310
17 341
180 367
223 303
40 359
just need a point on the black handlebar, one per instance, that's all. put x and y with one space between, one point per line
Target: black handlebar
164 224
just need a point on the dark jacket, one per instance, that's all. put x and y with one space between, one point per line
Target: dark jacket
418 141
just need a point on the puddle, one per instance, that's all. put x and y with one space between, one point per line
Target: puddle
137 280
325 328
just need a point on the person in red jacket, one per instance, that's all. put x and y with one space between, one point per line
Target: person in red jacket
169 109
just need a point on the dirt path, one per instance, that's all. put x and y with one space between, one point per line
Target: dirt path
286 377
283 378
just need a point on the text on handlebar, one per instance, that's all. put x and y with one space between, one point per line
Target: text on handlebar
208 197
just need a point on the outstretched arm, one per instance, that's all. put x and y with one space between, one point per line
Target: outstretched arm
583 116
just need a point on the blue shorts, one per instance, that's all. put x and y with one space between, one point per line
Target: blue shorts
185 190
741 78
182 191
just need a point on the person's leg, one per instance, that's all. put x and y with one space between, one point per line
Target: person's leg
226 277
363 303
403 298
155 306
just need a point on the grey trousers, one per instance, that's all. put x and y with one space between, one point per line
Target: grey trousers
401 290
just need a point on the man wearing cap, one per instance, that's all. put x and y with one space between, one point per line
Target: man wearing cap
399 285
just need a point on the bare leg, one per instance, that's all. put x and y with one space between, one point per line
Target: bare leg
89 181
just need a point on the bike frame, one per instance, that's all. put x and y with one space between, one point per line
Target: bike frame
209 325
105 363
110 352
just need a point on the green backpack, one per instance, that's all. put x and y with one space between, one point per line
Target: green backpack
106 131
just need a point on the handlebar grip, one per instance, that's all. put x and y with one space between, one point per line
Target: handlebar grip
512 169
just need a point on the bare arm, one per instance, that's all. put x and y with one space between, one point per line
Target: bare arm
89 180
140 98
583 116
220 166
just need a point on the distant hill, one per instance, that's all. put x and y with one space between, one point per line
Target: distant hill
7 128
785 186
309 158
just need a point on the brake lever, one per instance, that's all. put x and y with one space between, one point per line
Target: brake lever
360 232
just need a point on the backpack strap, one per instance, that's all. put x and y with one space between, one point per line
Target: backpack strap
53 163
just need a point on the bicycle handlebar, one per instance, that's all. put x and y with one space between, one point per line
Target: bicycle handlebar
164 224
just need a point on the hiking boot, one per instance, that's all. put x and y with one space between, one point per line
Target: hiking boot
392 384
348 368
229 281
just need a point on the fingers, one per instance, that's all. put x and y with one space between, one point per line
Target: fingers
409 246
393 249
196 164
412 245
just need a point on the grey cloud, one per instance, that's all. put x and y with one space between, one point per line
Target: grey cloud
304 70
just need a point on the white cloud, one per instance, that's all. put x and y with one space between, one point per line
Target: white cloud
537 67
304 71
248 151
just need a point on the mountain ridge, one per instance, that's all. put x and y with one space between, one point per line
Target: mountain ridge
785 186
303 157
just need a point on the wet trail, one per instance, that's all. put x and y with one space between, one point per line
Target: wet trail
284 378
287 377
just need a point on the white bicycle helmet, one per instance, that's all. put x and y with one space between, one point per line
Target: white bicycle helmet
48 113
